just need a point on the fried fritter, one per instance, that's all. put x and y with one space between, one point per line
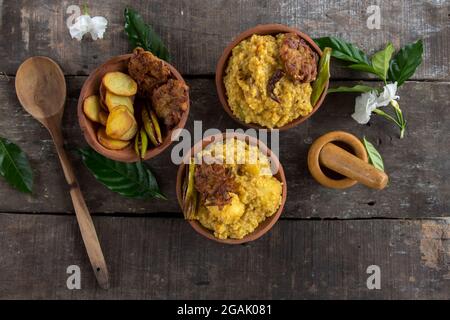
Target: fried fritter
148 71
299 60
214 182
170 101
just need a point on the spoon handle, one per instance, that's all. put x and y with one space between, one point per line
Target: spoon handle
84 219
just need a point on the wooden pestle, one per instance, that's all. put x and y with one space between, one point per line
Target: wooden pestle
348 165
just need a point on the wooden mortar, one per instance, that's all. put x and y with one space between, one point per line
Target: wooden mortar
326 152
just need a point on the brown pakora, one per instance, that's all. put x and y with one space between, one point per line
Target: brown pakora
214 183
148 71
170 101
299 60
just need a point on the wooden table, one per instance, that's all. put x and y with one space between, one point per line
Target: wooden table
325 239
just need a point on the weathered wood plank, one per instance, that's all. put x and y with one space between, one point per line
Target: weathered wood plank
196 31
418 165
164 258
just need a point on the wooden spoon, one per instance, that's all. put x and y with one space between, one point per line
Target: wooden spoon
41 89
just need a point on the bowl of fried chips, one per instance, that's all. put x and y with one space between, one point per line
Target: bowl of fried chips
130 105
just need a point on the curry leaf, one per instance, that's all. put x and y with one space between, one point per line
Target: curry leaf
381 59
343 50
357 88
14 166
405 62
374 155
142 35
132 180
323 77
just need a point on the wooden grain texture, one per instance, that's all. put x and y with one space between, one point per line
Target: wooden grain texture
164 258
418 165
158 255
196 31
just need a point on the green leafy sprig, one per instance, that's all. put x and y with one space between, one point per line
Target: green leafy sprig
405 62
132 180
383 64
142 35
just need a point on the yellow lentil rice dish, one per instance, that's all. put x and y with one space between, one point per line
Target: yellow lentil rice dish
250 67
258 194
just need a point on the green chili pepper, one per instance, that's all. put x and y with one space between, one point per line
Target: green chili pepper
141 143
191 197
323 76
148 126
136 145
144 143
156 126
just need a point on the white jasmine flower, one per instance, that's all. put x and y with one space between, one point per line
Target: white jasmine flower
388 94
364 105
80 27
96 26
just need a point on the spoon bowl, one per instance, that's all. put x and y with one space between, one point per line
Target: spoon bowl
41 88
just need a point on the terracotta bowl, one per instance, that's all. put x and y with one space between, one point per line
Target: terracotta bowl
264 226
264 29
92 86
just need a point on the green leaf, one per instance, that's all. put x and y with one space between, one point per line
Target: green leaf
405 62
132 180
324 74
14 166
374 155
363 67
142 35
343 50
381 59
357 88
